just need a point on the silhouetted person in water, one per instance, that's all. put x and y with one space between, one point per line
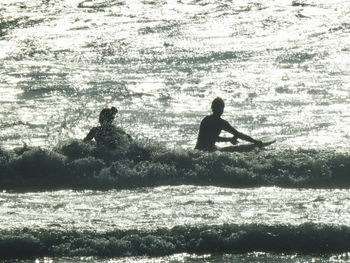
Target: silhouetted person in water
211 127
107 134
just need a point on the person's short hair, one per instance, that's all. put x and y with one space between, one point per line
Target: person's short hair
217 104
107 114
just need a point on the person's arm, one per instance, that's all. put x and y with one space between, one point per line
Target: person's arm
124 133
238 135
249 139
91 134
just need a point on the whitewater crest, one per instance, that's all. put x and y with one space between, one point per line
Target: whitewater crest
229 238
79 165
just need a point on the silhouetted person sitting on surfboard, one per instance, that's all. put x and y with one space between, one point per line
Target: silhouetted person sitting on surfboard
107 134
211 127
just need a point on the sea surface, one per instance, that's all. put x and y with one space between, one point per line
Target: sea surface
281 66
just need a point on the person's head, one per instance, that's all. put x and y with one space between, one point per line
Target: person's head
217 106
107 115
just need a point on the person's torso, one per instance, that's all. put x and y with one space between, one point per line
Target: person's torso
210 128
111 136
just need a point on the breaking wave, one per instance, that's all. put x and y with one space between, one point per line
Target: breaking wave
77 165
306 238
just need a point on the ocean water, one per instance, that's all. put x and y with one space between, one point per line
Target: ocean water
283 70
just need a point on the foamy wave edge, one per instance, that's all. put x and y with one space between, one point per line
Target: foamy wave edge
306 238
77 165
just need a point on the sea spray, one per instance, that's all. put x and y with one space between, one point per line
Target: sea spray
77 165
229 238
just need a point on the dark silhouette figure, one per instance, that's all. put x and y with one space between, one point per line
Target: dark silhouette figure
107 134
211 127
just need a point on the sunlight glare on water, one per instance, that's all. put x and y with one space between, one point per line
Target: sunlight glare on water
283 70
162 63
151 208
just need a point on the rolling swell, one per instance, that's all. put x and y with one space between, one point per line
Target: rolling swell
306 238
76 165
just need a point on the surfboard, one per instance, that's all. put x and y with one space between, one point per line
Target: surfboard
246 147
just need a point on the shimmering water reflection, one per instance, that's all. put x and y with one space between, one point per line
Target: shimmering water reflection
258 257
171 206
281 67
